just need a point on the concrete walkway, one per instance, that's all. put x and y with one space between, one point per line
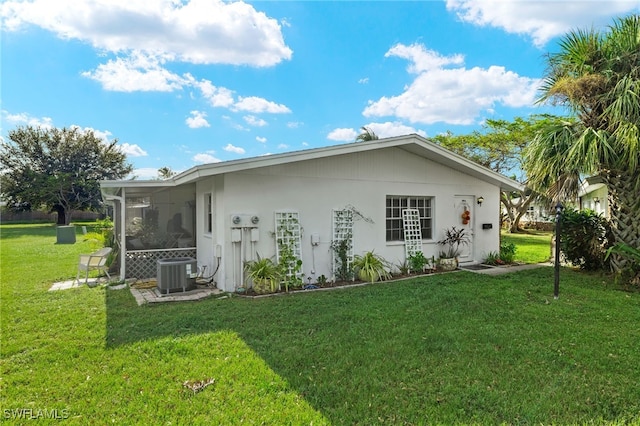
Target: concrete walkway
142 295
499 270
65 285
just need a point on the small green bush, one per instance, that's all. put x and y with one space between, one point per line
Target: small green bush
493 258
584 238
507 252
417 262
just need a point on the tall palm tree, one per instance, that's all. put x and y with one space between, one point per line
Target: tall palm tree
597 76
366 135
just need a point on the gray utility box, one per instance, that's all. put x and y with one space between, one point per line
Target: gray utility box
176 274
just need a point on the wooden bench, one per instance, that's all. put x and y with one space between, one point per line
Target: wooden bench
96 260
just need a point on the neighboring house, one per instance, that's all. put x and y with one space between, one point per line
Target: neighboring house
226 213
536 212
593 195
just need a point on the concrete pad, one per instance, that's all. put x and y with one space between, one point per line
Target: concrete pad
152 295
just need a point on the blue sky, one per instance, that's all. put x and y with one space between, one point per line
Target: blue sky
181 83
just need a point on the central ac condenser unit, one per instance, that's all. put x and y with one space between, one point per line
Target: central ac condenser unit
176 274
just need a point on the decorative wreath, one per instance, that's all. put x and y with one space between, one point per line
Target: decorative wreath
466 217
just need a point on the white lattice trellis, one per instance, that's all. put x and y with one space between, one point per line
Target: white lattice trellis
342 234
289 236
412 231
143 263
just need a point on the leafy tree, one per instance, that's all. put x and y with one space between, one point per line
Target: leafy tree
57 168
499 147
366 135
165 173
596 75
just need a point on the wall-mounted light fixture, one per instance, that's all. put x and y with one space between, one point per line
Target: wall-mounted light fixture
480 200
596 200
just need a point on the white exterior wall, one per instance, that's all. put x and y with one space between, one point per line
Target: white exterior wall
315 187
587 201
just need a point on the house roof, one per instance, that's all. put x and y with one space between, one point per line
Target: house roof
591 184
413 143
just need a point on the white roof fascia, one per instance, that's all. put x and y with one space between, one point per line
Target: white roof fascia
112 187
412 143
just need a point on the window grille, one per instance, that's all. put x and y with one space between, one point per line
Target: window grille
412 231
394 207
289 237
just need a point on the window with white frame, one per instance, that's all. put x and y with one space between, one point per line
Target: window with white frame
208 198
396 204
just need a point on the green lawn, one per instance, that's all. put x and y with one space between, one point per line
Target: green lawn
455 348
532 247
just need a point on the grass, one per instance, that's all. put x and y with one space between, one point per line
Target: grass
532 247
456 348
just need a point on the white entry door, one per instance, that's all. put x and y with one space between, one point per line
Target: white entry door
466 203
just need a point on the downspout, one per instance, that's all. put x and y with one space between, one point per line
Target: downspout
123 239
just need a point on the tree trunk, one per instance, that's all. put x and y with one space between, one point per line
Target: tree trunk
62 219
624 210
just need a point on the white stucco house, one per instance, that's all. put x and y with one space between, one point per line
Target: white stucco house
593 195
223 214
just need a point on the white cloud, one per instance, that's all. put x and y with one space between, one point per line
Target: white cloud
132 150
261 139
25 119
541 20
138 72
204 158
382 130
342 134
454 95
423 59
364 80
145 173
197 120
294 124
254 121
283 146
217 96
234 149
194 31
259 105
389 129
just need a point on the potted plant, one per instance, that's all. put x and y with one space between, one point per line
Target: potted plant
453 239
264 273
371 267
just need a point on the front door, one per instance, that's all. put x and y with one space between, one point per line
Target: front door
465 203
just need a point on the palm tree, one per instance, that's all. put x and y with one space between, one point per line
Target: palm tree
597 76
366 135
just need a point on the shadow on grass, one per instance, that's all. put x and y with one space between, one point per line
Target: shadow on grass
455 348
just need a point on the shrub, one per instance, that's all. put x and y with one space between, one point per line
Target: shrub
493 258
507 252
371 267
417 262
584 238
